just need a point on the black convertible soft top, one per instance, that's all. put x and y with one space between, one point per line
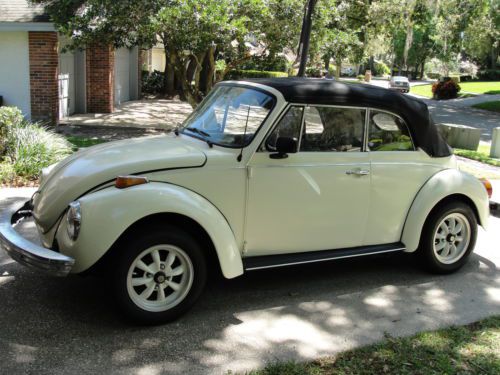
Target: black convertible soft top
323 91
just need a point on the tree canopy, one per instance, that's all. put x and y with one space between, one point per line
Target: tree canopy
205 39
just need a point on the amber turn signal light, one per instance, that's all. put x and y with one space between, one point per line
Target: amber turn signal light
123 182
487 186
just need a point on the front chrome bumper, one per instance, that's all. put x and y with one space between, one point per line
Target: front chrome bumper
27 253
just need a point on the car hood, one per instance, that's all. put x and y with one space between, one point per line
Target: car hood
87 169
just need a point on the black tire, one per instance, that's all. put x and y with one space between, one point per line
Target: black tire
132 248
426 253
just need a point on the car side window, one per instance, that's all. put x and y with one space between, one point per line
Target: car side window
388 132
333 129
288 126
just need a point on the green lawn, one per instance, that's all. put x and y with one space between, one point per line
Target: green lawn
469 87
471 349
81 142
482 154
493 106
481 87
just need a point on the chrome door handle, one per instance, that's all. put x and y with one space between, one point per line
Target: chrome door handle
358 172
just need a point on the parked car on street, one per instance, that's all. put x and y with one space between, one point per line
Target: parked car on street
264 173
400 84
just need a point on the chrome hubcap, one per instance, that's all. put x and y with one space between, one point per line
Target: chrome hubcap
452 238
160 278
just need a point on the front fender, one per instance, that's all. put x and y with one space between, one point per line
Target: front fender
438 187
107 213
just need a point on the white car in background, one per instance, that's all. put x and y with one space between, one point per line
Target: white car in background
264 173
399 83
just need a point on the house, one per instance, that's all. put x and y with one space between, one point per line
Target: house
48 84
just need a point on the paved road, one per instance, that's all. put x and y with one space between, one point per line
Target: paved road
68 325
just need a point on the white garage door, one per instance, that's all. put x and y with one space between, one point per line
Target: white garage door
66 84
15 71
122 75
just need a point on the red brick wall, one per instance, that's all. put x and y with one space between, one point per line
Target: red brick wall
100 79
44 64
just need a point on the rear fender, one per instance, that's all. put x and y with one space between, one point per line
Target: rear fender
440 186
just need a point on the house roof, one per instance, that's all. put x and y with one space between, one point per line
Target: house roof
22 11
327 92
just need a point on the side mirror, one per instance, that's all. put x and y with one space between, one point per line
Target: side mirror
284 146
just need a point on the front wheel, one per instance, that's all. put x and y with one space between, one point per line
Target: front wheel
159 275
448 238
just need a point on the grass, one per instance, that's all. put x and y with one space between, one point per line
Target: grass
82 142
490 88
471 349
493 106
467 88
482 154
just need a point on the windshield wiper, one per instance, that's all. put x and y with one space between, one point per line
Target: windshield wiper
198 131
201 132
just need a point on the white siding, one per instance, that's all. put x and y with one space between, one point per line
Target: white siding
14 70
158 59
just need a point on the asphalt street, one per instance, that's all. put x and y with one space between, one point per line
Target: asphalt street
69 325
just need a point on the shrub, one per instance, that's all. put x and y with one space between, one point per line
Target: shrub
433 75
489 75
313 72
381 69
152 83
240 74
28 147
447 89
9 118
361 77
33 147
277 63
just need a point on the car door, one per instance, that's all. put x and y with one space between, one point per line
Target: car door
398 172
317 198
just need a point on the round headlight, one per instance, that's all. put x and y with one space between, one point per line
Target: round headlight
74 220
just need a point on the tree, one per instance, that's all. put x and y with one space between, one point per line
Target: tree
481 38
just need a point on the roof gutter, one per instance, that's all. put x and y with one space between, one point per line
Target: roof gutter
26 26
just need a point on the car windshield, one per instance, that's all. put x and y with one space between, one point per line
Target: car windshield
229 116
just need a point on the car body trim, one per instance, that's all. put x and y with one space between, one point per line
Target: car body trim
283 260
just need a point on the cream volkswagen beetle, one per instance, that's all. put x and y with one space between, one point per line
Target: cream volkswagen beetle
264 173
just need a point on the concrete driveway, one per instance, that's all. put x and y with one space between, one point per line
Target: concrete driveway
68 326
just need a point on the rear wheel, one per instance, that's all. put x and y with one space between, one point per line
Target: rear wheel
448 237
159 276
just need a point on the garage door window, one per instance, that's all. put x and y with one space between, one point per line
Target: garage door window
388 132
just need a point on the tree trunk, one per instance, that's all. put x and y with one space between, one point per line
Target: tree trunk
199 58
408 43
168 75
327 63
338 62
305 35
371 64
208 72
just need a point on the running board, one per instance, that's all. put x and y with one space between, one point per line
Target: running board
283 260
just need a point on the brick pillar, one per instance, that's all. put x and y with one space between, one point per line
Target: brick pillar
100 79
44 65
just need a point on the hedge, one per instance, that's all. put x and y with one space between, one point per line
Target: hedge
239 74
489 75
